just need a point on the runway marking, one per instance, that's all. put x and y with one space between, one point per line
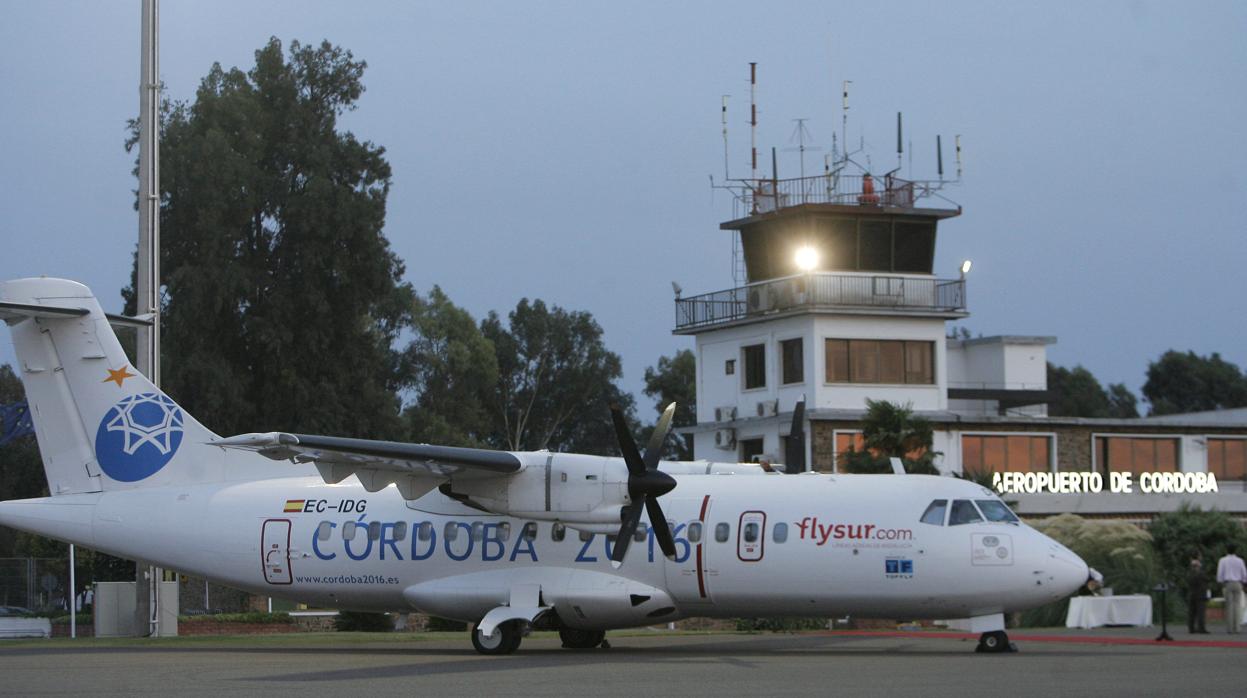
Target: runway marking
1072 639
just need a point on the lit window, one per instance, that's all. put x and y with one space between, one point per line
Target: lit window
983 453
1227 458
879 361
1137 454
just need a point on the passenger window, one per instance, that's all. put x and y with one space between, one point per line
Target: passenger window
374 530
348 530
585 536
641 534
996 511
504 530
478 530
451 532
722 531
424 531
780 533
530 531
558 532
400 530
324 530
694 532
963 512
934 514
751 532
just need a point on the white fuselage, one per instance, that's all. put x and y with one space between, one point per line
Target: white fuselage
854 545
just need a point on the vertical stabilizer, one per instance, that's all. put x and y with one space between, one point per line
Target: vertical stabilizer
100 424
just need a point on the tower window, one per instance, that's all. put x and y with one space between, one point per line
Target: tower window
880 361
792 354
755 366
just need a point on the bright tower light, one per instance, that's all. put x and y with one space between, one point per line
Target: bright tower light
807 258
965 266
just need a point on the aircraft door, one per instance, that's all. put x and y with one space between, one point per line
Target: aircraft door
751 536
689 579
275 551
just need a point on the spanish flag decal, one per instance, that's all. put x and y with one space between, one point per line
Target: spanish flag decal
294 506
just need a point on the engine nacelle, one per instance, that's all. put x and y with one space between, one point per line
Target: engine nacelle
585 492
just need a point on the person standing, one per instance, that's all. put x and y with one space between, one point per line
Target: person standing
1231 573
1196 596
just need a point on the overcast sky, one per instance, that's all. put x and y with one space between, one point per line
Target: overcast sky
562 150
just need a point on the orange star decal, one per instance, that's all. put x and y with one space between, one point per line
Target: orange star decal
119 376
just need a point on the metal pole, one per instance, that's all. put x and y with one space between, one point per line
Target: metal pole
147 283
73 596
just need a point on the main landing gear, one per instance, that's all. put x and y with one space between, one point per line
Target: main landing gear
505 639
995 641
574 639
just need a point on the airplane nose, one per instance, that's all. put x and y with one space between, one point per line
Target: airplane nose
1070 572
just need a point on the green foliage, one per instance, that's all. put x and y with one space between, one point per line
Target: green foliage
256 617
363 622
1181 534
779 625
452 369
1121 551
283 299
555 381
436 624
21 470
892 431
1077 393
674 379
1186 382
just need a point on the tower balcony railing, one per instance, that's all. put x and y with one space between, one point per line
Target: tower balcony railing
829 291
756 196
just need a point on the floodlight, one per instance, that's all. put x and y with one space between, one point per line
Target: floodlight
807 258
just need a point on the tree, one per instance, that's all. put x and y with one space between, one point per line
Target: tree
674 379
1177 535
893 431
282 299
555 381
21 469
451 367
1186 382
1077 393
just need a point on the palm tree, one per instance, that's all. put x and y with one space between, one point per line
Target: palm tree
890 431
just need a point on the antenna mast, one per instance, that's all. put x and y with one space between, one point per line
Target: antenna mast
753 119
723 116
844 117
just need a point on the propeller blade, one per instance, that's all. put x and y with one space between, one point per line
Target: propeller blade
658 523
627 445
653 451
631 517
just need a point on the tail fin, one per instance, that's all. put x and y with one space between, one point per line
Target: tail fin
101 425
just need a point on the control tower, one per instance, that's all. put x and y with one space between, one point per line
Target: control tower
839 302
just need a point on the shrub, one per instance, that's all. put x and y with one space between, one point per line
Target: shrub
780 624
1180 534
1121 551
258 617
363 622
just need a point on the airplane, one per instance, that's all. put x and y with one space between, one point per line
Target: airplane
507 541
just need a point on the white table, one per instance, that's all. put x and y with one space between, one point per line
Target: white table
1095 611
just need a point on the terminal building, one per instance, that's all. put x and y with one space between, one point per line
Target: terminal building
837 300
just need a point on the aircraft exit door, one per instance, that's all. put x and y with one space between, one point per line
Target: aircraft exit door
751 536
275 551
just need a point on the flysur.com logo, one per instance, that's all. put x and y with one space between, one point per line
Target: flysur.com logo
138 436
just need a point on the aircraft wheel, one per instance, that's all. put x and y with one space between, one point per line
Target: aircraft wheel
575 639
995 641
505 640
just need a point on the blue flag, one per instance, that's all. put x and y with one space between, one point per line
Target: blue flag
15 422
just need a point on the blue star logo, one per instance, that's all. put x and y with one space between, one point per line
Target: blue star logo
138 436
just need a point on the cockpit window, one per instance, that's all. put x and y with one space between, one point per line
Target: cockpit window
934 514
963 512
996 510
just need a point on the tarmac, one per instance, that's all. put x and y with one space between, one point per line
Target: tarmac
1058 662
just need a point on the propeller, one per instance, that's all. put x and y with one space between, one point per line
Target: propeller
646 483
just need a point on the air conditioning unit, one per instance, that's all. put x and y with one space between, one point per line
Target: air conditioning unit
725 414
768 408
759 298
725 439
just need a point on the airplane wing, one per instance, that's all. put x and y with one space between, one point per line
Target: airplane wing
414 468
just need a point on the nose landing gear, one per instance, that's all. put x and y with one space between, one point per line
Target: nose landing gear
995 641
